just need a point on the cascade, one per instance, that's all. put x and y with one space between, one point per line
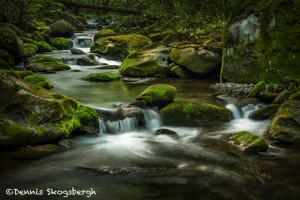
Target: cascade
121 126
82 42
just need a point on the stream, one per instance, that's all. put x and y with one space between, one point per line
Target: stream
135 163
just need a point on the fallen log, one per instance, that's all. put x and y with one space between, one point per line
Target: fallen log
97 7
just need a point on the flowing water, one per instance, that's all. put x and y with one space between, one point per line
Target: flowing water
135 163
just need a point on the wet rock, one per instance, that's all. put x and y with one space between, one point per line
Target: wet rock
247 142
258 88
164 131
30 114
149 61
194 114
103 33
77 51
266 112
109 67
233 89
86 61
285 125
158 95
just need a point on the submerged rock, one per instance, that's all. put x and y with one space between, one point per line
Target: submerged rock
77 51
248 142
158 95
148 61
30 114
120 46
164 131
86 61
103 77
285 125
194 114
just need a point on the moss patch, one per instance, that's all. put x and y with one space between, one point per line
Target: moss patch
61 43
103 77
38 80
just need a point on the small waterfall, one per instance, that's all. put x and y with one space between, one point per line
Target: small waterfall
82 42
102 128
122 126
235 111
152 118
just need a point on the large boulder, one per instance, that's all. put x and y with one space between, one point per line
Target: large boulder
152 59
194 114
195 59
45 64
10 42
7 57
158 95
62 28
266 112
120 46
285 125
247 142
30 114
38 80
263 46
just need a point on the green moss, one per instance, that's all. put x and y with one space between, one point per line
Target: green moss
5 65
295 96
105 76
103 33
271 87
158 95
11 72
38 80
267 97
43 47
248 141
61 43
284 95
24 73
38 35
134 72
46 63
292 88
192 114
259 87
179 72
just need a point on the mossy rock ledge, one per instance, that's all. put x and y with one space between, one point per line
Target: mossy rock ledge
119 46
158 95
194 114
30 114
148 61
247 141
285 125
45 64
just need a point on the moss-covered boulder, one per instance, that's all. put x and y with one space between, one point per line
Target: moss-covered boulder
10 42
73 20
45 64
7 57
158 95
30 114
103 77
259 87
264 45
61 43
103 33
11 73
195 59
41 46
29 50
266 112
38 80
179 72
247 142
152 59
285 125
282 96
120 46
62 28
5 65
194 114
